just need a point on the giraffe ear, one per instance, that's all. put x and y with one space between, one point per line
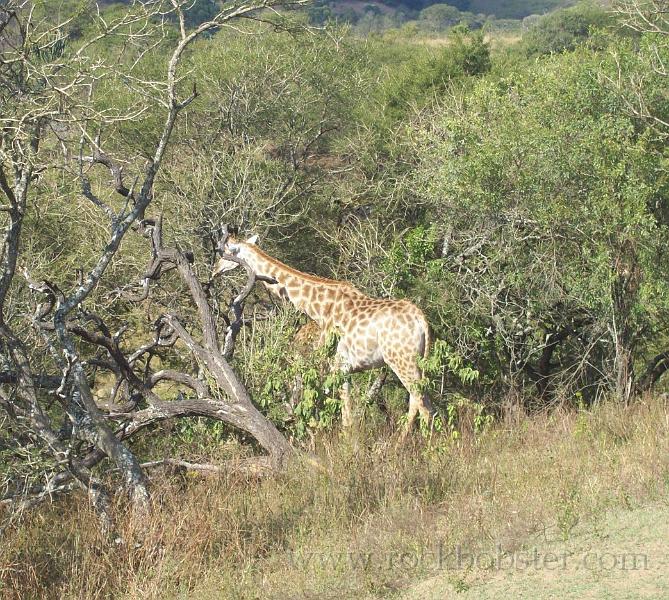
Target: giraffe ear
252 240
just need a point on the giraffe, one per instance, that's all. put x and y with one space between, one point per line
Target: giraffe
372 331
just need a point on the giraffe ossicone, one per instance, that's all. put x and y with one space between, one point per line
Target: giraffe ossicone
372 331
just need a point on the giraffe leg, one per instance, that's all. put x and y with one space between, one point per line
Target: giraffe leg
411 415
343 365
346 405
426 409
419 402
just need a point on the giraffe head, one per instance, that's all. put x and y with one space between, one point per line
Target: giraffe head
234 247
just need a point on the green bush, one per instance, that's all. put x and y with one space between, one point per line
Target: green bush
565 29
467 55
549 196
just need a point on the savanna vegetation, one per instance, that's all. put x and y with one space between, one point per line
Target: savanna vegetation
165 434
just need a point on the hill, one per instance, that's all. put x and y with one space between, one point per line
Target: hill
501 9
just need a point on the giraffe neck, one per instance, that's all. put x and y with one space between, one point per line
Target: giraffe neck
321 299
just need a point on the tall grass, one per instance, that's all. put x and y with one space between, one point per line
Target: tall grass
362 527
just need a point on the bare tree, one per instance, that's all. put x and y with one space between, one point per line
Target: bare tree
644 16
50 121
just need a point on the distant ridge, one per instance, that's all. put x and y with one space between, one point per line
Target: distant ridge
501 9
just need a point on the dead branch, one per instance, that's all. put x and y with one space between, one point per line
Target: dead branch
255 466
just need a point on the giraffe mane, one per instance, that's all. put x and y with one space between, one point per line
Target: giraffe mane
296 272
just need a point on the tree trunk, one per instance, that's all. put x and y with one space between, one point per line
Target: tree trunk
624 293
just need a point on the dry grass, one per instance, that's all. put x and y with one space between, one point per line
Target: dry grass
498 40
365 528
